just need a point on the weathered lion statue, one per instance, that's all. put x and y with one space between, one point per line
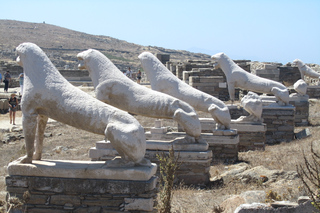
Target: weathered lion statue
162 80
239 78
47 94
305 70
114 88
252 103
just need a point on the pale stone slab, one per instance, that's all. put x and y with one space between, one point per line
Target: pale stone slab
298 98
103 154
208 123
81 169
162 145
167 145
161 130
225 140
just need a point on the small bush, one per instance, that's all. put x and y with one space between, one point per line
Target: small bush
168 166
309 174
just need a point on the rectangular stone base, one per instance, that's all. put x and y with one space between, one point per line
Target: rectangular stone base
195 158
279 120
224 145
313 91
301 104
252 136
60 194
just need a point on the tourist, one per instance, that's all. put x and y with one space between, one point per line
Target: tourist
6 80
139 76
21 76
13 105
129 73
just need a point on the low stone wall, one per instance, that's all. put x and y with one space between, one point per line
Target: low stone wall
211 81
269 71
289 75
280 121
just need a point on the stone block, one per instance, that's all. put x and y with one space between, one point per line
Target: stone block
303 133
138 204
63 199
80 169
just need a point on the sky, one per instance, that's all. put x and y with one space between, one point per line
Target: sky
257 30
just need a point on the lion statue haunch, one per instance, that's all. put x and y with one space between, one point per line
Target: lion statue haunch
162 80
114 88
47 94
239 78
252 103
305 70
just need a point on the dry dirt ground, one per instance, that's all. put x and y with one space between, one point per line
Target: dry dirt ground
65 142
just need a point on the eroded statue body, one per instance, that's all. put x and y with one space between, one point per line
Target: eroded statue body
239 78
301 87
114 88
252 103
305 70
47 94
162 80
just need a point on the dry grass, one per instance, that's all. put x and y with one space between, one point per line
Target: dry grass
76 143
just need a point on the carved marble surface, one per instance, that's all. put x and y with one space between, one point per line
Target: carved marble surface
305 70
113 87
47 94
162 80
239 78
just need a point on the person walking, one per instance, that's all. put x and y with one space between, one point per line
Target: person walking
6 80
13 105
139 76
129 73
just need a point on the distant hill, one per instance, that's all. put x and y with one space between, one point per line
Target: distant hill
62 45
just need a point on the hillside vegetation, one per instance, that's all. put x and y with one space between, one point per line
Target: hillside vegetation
62 45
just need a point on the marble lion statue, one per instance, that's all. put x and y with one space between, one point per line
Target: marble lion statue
47 94
305 70
252 103
162 80
114 88
239 78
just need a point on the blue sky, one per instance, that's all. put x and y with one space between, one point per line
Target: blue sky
265 30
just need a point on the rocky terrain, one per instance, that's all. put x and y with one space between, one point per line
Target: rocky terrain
62 45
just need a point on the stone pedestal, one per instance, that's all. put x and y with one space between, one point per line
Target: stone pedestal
224 144
252 136
301 102
279 120
195 158
313 91
82 186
